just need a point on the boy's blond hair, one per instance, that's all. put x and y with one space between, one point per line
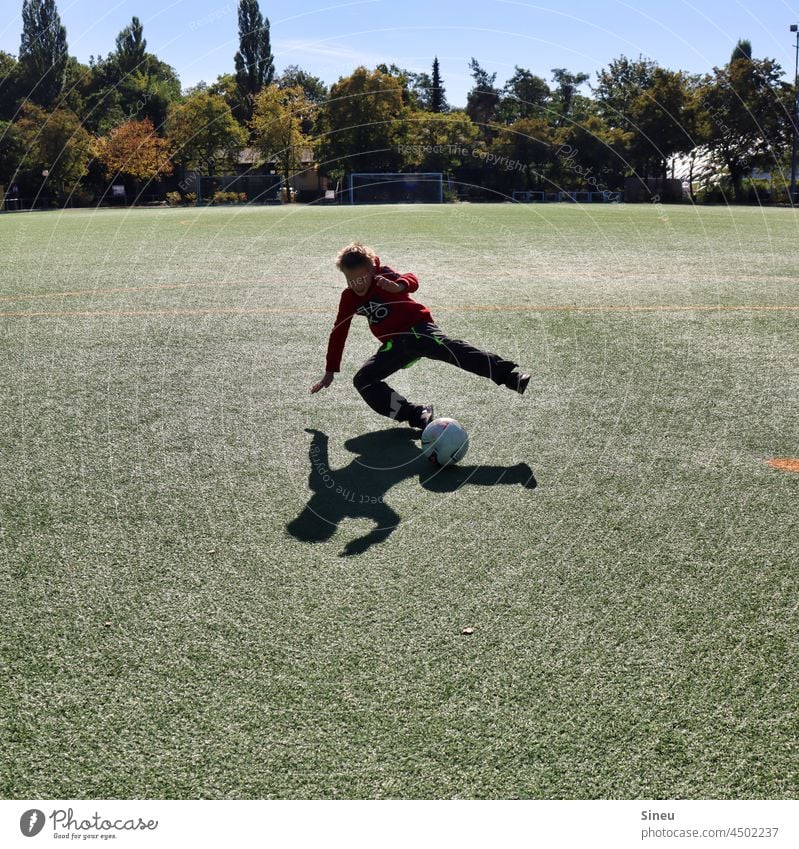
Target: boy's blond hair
353 255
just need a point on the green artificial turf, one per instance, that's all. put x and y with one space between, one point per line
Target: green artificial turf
190 610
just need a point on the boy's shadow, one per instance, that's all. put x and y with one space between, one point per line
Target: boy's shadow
385 457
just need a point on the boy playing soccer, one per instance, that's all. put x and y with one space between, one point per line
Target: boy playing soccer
407 331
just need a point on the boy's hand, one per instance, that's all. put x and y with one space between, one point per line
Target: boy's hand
323 383
389 285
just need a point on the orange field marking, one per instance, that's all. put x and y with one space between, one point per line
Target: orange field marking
621 308
785 464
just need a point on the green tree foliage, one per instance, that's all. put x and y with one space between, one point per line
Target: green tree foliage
434 141
650 104
42 52
742 50
696 123
131 47
483 99
748 116
10 152
314 89
658 117
227 87
523 151
254 62
204 134
130 84
438 96
566 84
416 87
590 155
53 141
360 122
619 85
77 86
9 85
524 96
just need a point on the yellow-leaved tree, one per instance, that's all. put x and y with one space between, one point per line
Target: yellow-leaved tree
280 116
133 149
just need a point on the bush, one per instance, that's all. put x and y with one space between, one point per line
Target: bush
714 194
229 197
175 198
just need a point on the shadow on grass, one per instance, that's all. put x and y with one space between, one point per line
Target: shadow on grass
358 491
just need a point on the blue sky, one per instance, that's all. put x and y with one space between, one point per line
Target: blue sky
199 37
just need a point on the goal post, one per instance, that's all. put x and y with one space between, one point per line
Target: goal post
399 187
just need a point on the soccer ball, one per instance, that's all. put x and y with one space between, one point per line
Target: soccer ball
444 442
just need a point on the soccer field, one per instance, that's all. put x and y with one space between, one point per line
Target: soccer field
192 610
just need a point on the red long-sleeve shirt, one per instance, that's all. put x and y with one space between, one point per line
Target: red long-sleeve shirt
388 313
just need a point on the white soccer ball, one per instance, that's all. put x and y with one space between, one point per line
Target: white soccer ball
444 442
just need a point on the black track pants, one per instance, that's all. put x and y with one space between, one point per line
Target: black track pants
423 340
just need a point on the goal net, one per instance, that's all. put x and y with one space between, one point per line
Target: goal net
397 188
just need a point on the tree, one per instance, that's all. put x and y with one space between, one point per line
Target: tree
55 142
483 99
591 155
42 52
129 84
567 84
314 88
438 99
361 120
524 96
134 149
226 87
432 141
416 88
204 134
649 103
742 50
255 65
277 127
524 149
77 87
9 85
10 152
696 123
131 48
619 85
749 117
657 116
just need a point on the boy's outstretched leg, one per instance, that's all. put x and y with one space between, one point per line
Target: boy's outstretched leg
370 383
438 346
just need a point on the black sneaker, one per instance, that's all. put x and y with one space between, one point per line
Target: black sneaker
425 417
517 381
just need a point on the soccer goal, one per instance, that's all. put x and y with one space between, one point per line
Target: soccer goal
397 188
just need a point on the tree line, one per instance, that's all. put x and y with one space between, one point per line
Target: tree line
124 116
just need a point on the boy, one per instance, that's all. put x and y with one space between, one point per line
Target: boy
407 331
